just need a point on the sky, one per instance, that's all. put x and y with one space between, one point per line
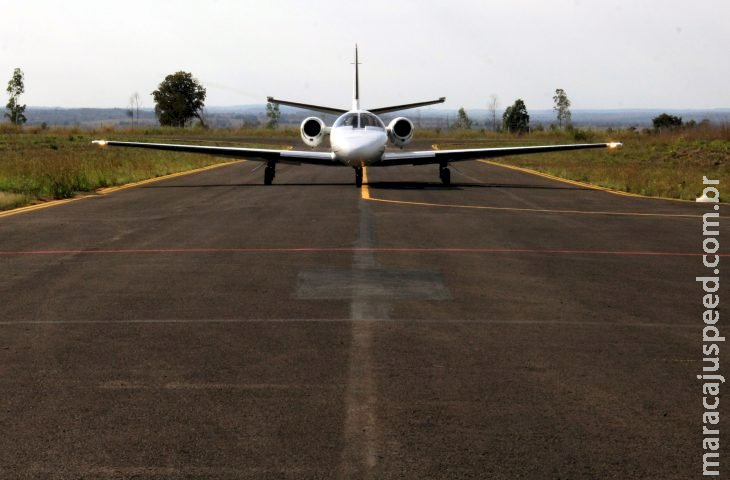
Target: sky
606 54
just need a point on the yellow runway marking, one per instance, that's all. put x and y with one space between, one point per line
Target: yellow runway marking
30 208
532 210
365 194
106 191
365 191
580 184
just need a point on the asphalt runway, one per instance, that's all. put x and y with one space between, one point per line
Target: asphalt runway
207 326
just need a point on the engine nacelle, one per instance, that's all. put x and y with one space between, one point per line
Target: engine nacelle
400 131
313 131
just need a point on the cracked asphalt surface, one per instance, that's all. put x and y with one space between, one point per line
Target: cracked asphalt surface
207 326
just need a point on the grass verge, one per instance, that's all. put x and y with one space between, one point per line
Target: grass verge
38 165
12 200
670 164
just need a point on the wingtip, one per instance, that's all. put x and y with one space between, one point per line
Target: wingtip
101 143
614 145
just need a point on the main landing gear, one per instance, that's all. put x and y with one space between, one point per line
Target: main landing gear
358 177
445 174
270 172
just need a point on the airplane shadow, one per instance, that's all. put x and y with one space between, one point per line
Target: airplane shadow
255 185
378 186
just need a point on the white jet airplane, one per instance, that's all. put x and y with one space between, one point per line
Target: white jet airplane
358 139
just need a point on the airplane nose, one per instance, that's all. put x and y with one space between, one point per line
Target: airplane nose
357 149
354 152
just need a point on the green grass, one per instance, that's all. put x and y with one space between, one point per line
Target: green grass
12 200
670 164
40 164
37 165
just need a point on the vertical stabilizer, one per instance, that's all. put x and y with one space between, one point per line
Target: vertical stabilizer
356 93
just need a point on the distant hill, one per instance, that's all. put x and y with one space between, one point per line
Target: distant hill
84 117
237 116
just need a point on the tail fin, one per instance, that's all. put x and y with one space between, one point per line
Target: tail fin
357 76
379 111
356 93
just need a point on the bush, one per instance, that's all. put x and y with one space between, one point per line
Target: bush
580 135
666 121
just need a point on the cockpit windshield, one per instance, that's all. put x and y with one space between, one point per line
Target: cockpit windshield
347 120
359 120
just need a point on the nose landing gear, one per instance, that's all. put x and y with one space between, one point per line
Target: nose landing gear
358 177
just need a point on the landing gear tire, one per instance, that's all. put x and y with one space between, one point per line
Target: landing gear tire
358 177
445 175
268 176
269 173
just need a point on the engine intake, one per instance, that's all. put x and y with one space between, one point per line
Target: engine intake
313 131
400 131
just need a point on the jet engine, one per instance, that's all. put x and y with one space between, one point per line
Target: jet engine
400 131
313 131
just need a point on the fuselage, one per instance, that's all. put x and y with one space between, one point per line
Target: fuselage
358 138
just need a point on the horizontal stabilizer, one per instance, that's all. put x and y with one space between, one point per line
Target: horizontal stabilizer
306 106
396 108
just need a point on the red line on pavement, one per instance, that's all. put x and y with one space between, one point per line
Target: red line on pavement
9 253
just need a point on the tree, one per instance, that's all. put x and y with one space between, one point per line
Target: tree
272 111
135 105
204 118
515 118
666 121
16 112
493 106
179 99
562 107
463 122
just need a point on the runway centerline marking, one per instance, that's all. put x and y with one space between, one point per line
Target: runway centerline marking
360 429
350 250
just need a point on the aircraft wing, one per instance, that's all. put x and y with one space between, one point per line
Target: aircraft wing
259 154
439 156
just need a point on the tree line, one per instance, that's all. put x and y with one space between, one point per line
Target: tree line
515 118
180 98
